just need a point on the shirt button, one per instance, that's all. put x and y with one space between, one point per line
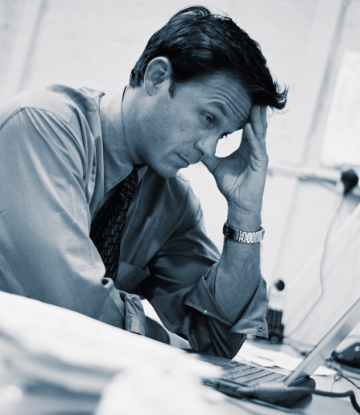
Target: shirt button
260 328
205 311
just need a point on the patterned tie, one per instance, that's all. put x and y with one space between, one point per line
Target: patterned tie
107 226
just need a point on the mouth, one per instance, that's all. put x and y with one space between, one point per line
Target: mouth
185 162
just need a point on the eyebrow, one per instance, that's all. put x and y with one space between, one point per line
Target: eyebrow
223 110
221 107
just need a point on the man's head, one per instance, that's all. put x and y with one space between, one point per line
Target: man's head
199 43
195 82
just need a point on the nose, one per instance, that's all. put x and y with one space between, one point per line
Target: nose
207 145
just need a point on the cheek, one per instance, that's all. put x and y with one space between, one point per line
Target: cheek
171 126
152 129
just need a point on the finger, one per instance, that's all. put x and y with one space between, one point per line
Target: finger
210 163
263 118
255 114
254 142
250 140
263 115
258 120
243 149
249 133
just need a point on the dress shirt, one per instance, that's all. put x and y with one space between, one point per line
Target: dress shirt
62 151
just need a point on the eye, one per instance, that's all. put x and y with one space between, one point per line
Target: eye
209 118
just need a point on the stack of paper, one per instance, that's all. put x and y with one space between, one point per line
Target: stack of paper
55 360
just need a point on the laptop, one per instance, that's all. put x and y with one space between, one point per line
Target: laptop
241 374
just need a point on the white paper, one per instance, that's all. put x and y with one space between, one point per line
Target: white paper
271 358
47 345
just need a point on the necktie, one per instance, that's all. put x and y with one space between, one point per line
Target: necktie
107 226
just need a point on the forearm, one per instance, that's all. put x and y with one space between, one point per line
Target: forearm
238 271
240 177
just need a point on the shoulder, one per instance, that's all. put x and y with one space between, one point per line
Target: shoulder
59 100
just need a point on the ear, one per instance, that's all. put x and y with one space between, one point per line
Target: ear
157 74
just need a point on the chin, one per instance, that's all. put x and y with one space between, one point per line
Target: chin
164 172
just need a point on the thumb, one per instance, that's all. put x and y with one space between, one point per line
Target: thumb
210 163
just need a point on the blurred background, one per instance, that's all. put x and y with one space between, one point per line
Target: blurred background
312 46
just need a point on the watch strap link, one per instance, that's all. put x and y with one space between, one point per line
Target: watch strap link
244 237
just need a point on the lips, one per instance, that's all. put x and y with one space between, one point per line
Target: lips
187 163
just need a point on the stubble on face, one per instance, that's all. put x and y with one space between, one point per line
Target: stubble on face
176 130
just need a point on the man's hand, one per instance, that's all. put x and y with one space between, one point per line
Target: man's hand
240 177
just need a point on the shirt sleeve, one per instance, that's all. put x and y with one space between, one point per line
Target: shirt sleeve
180 288
45 249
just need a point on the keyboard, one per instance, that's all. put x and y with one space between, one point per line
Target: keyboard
249 375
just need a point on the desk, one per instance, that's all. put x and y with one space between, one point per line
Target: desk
47 399
315 405
54 361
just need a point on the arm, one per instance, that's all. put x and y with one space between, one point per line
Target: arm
183 270
46 252
213 302
241 179
180 288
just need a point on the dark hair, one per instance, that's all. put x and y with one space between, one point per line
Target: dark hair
199 43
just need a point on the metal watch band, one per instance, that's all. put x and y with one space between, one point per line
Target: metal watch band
244 237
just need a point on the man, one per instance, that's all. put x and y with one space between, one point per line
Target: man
65 154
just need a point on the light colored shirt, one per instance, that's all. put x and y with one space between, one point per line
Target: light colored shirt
62 151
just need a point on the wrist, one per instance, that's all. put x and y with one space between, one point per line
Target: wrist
241 236
246 220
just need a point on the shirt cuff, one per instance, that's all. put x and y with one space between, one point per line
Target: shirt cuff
200 299
135 320
253 319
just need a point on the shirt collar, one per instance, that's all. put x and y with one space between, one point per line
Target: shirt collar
117 159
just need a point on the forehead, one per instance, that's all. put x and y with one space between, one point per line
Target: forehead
222 92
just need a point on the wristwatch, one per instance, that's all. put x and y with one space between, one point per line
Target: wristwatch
244 237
